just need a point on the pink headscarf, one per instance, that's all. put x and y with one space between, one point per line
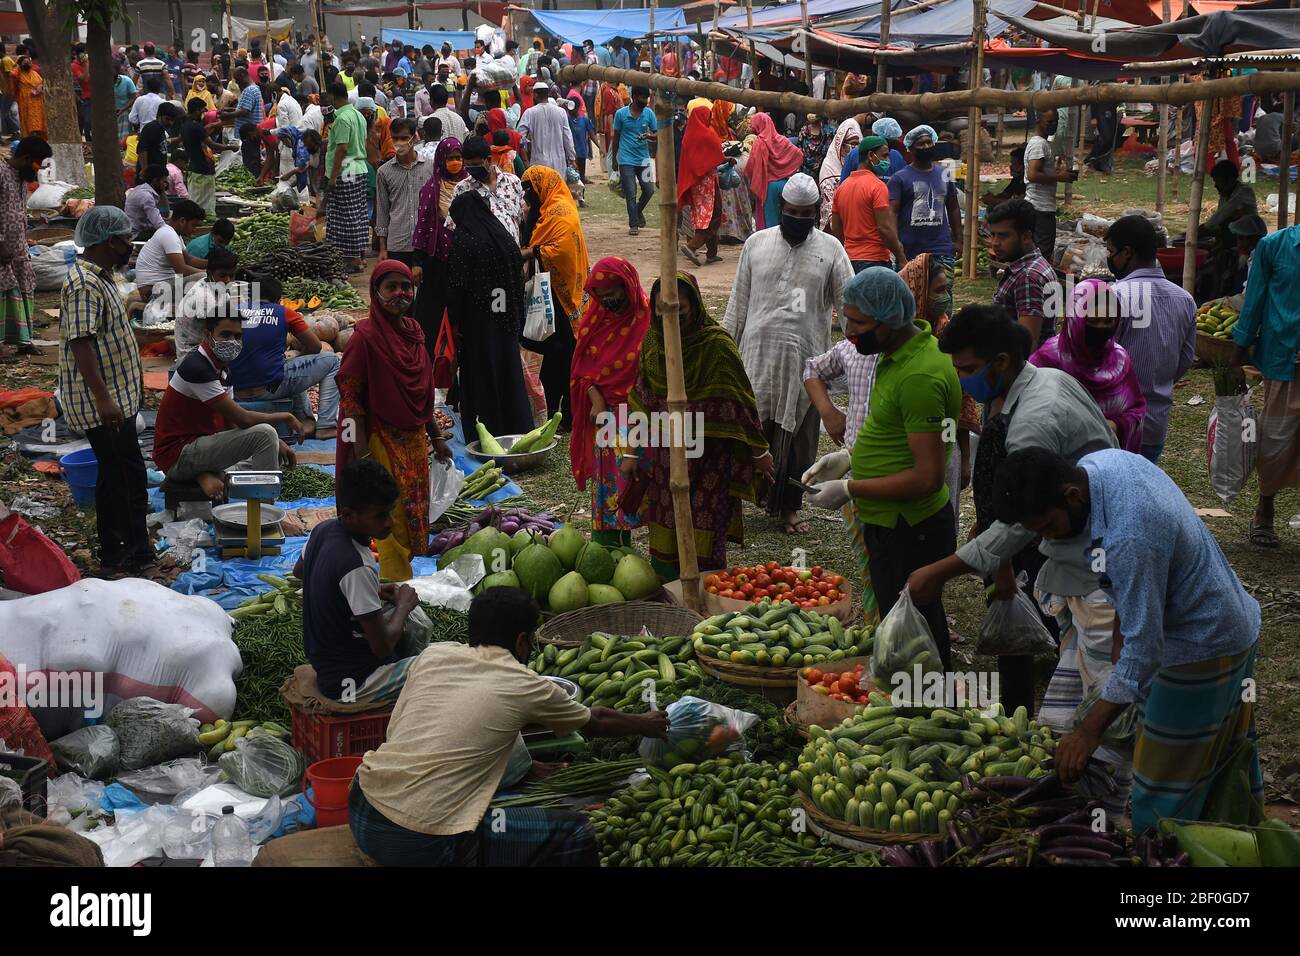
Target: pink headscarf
771 158
1108 373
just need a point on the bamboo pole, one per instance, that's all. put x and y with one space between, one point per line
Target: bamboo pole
654 6
230 37
679 482
1073 131
266 31
1284 161
1177 94
886 14
974 122
1198 190
318 19
1253 58
807 46
1162 147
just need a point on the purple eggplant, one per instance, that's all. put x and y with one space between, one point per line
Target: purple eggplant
932 852
1054 831
1006 851
1005 785
1046 787
1182 859
898 856
1092 841
1077 853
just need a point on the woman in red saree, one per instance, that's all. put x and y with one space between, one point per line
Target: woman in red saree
606 355
697 184
386 411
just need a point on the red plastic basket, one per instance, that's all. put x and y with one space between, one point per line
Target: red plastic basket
320 737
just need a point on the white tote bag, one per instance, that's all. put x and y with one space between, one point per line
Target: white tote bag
539 323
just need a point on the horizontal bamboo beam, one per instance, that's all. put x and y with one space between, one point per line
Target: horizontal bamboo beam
1179 94
1207 62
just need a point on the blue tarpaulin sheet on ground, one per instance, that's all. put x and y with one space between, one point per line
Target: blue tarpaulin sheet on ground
239 575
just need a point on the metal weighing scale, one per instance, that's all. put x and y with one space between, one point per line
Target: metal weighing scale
249 525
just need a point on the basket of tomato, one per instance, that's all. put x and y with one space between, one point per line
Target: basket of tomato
829 692
813 589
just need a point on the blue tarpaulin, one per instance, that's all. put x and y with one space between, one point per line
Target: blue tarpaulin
600 26
459 39
786 13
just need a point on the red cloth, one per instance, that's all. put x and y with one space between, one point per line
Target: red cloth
18 728
389 355
606 354
772 157
496 119
701 150
526 92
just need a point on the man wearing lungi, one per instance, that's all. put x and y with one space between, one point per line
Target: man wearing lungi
347 223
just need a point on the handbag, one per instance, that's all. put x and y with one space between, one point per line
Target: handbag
444 354
539 321
728 177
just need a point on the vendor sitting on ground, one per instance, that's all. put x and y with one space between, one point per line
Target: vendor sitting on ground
205 297
263 374
1015 189
352 648
164 269
223 230
146 202
422 798
1236 200
189 442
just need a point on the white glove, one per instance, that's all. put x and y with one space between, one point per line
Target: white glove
829 467
830 494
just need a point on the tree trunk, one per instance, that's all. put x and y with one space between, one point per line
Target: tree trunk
48 24
110 185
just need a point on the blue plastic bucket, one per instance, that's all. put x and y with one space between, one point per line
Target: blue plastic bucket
81 469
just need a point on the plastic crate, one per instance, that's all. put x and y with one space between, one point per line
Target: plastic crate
320 737
31 774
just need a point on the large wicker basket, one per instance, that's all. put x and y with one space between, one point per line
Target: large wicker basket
625 619
834 827
775 684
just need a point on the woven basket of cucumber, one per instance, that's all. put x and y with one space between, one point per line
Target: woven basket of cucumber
622 618
791 719
775 684
820 820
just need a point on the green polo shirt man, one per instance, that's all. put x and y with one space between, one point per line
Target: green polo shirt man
898 467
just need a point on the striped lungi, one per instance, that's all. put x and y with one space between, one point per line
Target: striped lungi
347 225
870 609
16 308
203 190
1193 721
1279 436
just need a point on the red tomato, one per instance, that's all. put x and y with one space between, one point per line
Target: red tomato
747 589
760 593
710 580
817 570
772 565
733 571
813 674
712 589
829 679
727 593
806 604
837 580
762 580
823 601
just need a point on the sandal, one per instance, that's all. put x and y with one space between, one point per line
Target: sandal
797 527
712 259
1262 537
689 253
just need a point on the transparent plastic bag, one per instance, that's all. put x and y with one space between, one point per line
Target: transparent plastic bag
75 793
697 730
1122 732
1013 627
415 632
903 643
172 777
445 481
90 751
150 732
264 766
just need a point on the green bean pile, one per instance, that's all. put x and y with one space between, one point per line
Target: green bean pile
271 647
305 482
448 624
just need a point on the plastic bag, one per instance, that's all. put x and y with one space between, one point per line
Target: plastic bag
31 562
1230 445
416 631
74 792
698 729
445 481
1122 731
1013 627
11 795
91 751
539 323
173 777
903 643
150 732
264 766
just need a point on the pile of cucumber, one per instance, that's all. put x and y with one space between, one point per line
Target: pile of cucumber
883 770
779 635
612 670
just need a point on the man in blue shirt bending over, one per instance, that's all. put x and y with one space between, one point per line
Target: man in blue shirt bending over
1185 629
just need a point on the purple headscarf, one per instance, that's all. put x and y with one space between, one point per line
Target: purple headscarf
433 234
1108 373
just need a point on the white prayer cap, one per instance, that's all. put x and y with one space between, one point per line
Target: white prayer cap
801 190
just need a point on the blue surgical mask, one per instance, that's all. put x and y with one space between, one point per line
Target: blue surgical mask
979 387
881 168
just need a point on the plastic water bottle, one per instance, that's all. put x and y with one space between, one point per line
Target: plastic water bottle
231 844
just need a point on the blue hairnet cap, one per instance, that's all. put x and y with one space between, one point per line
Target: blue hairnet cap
880 293
887 128
100 224
914 134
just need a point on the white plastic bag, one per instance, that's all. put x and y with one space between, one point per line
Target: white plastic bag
903 644
539 323
697 730
1013 627
1231 444
445 481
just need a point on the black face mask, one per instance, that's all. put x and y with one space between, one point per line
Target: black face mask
795 228
1115 269
1096 338
926 155
867 343
481 173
